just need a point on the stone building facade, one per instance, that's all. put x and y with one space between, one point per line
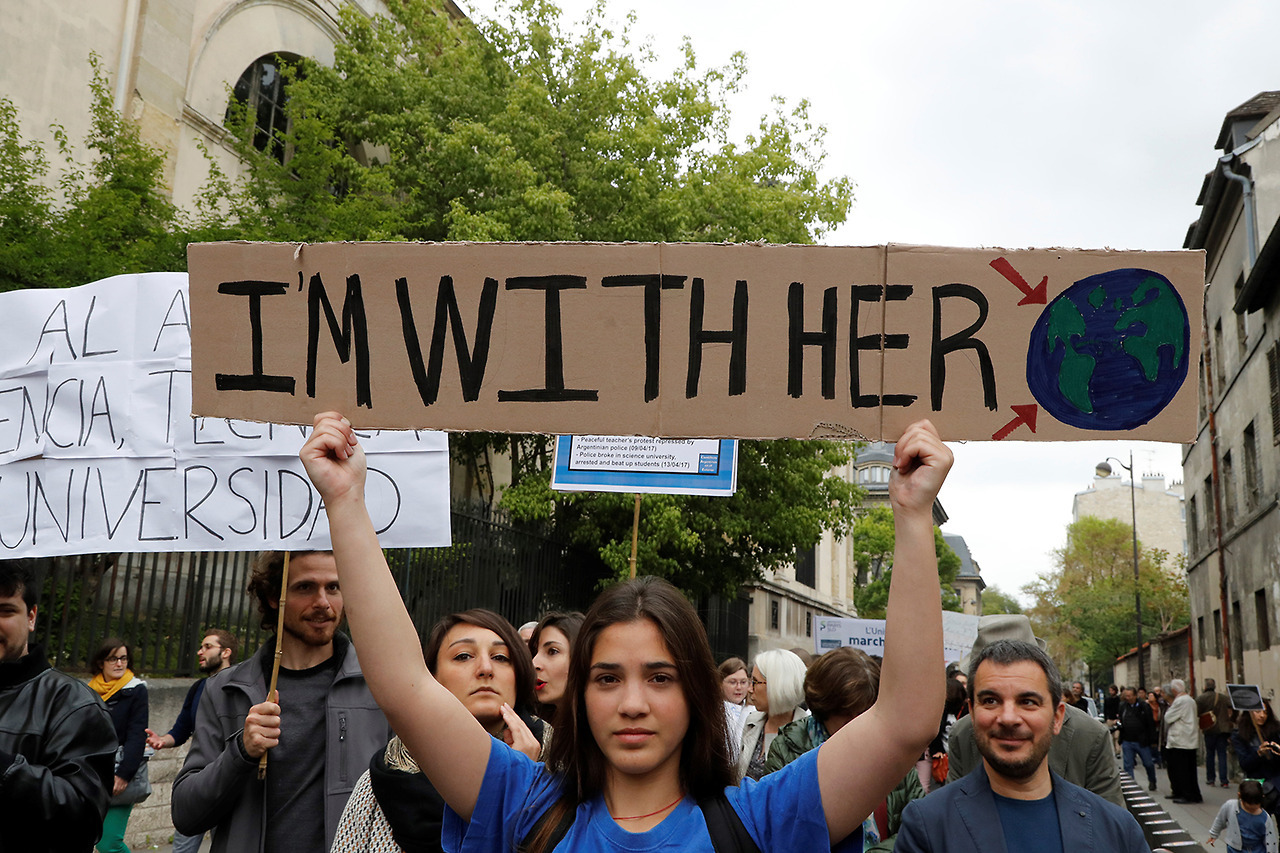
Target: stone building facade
1159 506
173 67
1232 471
1163 659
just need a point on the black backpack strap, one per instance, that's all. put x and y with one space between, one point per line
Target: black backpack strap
728 834
557 834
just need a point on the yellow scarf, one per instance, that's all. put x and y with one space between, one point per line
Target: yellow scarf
107 689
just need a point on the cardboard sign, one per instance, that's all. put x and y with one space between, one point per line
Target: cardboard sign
636 464
98 451
959 630
698 340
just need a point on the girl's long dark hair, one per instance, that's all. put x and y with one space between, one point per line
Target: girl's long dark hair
706 767
1270 729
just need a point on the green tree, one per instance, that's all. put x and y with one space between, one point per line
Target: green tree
786 498
873 541
996 600
429 128
108 218
1084 607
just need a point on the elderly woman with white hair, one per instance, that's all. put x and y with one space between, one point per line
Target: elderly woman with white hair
777 689
1182 738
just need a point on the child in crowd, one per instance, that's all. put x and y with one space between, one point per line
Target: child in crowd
1248 829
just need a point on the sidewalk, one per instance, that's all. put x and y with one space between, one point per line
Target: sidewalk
1182 828
205 846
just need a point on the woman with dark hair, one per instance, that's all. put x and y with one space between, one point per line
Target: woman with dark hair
126 698
479 658
552 640
641 758
1256 742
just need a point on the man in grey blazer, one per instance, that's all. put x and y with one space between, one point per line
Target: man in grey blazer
1013 802
1082 752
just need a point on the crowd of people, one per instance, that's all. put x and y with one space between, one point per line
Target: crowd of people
613 728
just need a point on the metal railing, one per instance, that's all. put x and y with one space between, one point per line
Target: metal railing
162 604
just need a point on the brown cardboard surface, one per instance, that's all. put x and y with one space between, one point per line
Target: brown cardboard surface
606 338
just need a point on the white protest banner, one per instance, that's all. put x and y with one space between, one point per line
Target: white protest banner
98 451
959 630
635 464
864 634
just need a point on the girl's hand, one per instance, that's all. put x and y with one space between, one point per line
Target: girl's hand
517 734
333 458
920 464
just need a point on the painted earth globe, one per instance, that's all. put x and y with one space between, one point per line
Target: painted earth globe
1110 351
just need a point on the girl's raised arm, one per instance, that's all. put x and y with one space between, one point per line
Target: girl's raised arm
447 742
863 761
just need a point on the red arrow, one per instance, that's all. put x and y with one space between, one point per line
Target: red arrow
1037 295
1025 415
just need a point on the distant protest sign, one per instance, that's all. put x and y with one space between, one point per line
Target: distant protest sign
959 630
641 465
99 452
700 340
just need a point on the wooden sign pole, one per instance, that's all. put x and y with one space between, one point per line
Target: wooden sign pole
275 665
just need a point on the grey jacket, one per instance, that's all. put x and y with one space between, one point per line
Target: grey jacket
218 789
1226 825
1082 753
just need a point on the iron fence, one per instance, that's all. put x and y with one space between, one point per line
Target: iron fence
161 604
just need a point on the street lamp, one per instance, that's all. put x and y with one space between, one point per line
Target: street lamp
1104 470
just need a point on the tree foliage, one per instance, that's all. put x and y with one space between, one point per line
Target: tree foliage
427 127
1085 607
786 498
996 600
873 542
79 223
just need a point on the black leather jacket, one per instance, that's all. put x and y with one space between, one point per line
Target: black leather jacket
57 753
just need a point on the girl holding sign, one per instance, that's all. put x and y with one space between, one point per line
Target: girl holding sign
641 753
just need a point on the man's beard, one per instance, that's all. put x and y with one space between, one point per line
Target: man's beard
311 639
1021 769
207 666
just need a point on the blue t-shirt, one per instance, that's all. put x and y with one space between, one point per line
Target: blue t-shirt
782 812
1253 831
1030 826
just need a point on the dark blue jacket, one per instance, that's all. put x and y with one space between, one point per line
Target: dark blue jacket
962 818
186 722
128 710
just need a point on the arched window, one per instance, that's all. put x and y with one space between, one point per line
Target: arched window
873 474
261 90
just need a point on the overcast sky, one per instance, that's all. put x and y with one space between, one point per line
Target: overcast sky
1085 123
